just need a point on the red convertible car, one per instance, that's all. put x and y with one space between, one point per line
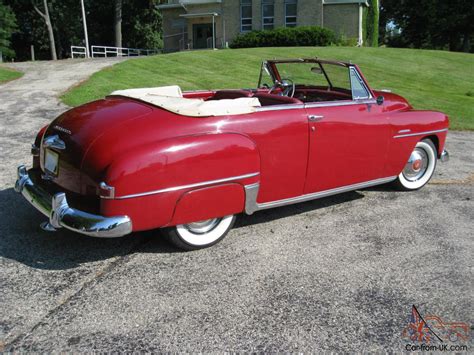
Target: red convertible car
189 162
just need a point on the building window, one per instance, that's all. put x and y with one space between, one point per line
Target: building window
245 15
290 13
268 14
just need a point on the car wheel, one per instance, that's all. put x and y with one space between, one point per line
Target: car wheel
420 167
202 234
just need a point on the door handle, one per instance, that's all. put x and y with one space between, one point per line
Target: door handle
315 118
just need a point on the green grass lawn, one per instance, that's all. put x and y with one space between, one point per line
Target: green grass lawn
434 80
7 74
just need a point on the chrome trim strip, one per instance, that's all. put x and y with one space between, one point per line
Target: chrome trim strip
316 105
420 133
182 187
404 131
341 103
321 194
60 214
279 107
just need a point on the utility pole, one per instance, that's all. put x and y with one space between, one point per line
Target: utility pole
85 28
118 24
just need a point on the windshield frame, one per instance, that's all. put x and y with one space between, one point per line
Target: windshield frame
271 66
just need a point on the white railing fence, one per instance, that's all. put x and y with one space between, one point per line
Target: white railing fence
107 51
78 51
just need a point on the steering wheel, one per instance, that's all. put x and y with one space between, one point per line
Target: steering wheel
287 87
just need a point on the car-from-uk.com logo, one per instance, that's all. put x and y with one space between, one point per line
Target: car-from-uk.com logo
431 333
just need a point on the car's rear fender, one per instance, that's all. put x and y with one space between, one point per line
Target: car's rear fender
149 180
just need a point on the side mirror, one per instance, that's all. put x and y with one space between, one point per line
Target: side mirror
380 100
316 70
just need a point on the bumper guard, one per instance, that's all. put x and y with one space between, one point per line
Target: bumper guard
444 156
61 215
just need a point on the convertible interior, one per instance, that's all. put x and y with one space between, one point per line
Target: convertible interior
281 82
296 81
265 98
303 94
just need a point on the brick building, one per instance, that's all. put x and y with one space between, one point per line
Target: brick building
196 24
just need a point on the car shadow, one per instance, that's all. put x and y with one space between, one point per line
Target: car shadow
155 245
22 240
298 208
382 188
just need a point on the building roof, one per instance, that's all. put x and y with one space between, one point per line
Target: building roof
337 2
200 14
182 3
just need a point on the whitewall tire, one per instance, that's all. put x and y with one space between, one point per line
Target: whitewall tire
202 234
419 168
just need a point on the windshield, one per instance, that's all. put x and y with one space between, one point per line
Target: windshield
329 76
313 80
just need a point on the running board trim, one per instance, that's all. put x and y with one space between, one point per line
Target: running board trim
251 192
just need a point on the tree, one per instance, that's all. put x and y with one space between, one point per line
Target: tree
435 24
458 23
141 26
118 23
7 27
47 20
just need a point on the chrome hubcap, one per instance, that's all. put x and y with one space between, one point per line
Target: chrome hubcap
416 166
203 227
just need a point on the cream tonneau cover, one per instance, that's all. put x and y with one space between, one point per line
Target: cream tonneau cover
171 98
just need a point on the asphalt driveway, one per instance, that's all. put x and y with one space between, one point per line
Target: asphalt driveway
338 274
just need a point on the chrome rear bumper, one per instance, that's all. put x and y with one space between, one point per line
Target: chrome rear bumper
444 156
61 215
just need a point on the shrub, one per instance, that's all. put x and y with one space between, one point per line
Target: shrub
372 24
286 37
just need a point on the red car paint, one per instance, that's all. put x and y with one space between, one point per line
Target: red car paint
139 149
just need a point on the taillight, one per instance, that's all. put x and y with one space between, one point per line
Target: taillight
106 191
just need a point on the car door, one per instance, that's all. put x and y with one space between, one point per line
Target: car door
348 140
